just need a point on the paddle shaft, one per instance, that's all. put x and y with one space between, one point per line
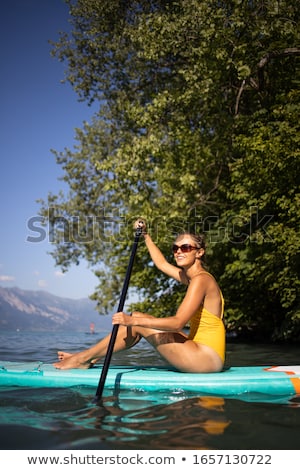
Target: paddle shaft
114 333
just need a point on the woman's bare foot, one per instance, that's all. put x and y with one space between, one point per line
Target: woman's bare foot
63 355
74 361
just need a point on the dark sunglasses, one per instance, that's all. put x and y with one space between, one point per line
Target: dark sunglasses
185 248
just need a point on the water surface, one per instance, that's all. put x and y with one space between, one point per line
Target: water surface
67 418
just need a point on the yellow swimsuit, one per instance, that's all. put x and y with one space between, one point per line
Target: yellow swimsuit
206 328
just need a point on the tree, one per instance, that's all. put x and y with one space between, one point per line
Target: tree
261 276
198 104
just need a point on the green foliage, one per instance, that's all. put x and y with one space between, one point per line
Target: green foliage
197 129
266 214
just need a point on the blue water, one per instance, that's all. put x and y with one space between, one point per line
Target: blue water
67 418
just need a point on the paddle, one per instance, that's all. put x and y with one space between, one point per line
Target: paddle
114 333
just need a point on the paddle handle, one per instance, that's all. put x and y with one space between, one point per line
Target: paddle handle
114 333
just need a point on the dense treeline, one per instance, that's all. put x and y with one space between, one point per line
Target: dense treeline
198 129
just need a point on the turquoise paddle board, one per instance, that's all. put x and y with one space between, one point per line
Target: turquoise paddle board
233 381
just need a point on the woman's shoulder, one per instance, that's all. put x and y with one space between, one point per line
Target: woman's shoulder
205 274
204 278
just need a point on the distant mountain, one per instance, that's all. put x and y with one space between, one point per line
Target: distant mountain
41 311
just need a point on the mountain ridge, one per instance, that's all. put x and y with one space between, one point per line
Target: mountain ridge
39 311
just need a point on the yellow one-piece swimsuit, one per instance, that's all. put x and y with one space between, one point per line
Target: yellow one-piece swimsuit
206 328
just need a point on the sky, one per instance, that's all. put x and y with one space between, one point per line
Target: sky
37 113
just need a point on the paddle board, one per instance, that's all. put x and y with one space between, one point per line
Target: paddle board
232 381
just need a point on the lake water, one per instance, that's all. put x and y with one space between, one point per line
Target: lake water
67 418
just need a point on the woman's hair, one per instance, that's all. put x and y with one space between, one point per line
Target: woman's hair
198 238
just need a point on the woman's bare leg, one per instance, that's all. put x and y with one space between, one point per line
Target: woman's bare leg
184 354
180 352
85 359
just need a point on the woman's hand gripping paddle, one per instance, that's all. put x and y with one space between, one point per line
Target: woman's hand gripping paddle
139 230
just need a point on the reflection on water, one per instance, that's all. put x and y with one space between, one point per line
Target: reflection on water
126 422
164 426
67 418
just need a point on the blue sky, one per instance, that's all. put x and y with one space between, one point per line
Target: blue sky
37 114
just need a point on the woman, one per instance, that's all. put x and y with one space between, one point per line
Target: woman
203 350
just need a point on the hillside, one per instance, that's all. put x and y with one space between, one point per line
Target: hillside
41 311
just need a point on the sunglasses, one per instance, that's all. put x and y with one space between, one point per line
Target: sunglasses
185 248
